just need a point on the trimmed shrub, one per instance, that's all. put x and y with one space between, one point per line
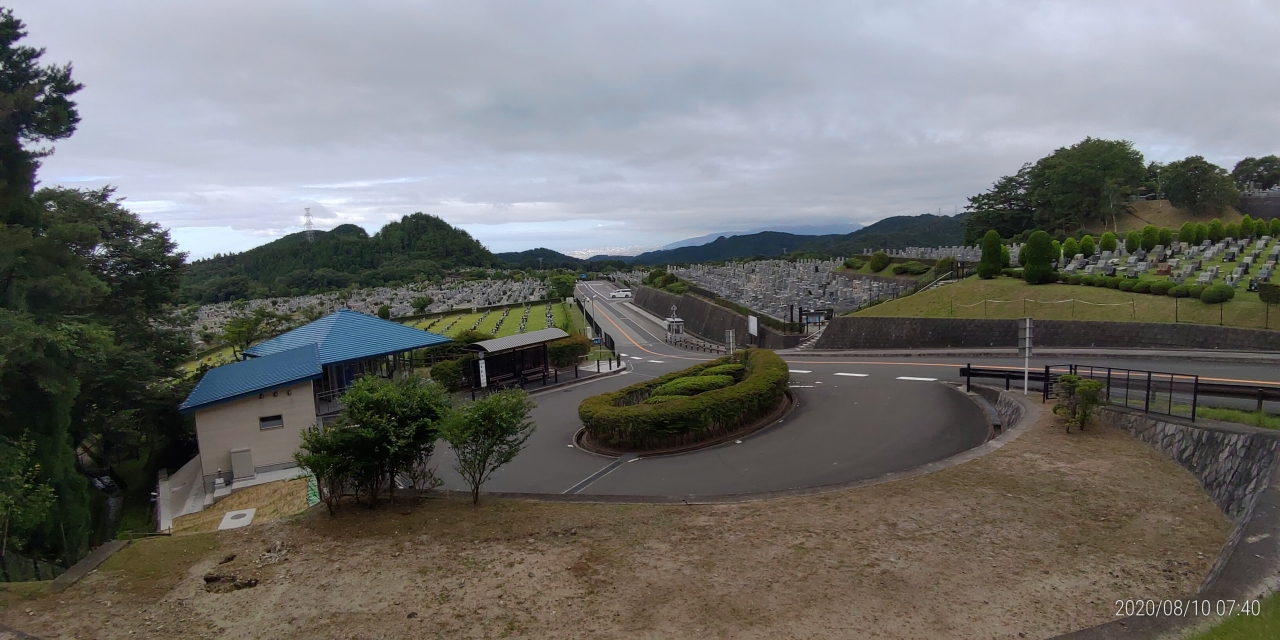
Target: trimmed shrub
1142 286
693 385
1073 279
660 399
1037 259
622 419
447 374
1161 287
1195 290
1011 273
855 263
879 260
1127 285
566 351
911 267
990 264
1113 282
724 370
1217 294
1177 291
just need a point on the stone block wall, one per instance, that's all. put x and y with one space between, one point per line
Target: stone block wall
1233 463
1009 410
866 332
706 319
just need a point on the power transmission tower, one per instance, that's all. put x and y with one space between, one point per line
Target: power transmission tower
310 225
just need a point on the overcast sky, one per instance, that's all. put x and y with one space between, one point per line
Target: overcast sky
592 124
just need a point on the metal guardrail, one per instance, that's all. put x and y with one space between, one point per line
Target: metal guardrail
1159 392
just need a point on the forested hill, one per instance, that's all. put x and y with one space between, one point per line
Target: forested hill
898 232
418 245
543 258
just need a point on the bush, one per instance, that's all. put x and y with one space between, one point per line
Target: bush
1011 273
1142 286
1195 290
1217 294
384 312
566 351
1113 282
1161 287
1037 259
1077 398
990 264
1073 279
855 263
1127 285
912 267
734 370
447 374
661 399
693 385
471 336
879 260
1177 291
622 419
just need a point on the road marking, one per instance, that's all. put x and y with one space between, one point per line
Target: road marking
801 386
609 468
799 371
657 361
917 379
852 375
635 357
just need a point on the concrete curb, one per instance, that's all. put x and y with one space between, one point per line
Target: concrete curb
1146 354
82 568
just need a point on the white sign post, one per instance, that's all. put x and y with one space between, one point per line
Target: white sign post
753 325
484 378
1025 329
730 341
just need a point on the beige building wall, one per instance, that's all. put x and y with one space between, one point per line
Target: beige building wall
234 425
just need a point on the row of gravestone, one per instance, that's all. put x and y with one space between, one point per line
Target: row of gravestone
1189 261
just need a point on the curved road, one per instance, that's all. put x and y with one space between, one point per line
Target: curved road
849 424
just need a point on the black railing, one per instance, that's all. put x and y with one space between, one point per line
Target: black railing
1159 392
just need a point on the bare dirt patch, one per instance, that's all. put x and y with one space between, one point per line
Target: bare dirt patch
272 501
1037 538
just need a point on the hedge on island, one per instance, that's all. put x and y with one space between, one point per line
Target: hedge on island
624 419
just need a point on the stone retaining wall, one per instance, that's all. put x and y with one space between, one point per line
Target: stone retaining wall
1233 463
708 320
867 332
1009 410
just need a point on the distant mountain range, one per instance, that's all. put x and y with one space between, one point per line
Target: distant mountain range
798 230
898 232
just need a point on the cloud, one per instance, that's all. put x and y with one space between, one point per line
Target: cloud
529 123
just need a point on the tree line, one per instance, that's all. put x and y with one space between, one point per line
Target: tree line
90 339
1090 183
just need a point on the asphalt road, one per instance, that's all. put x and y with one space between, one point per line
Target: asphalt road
856 418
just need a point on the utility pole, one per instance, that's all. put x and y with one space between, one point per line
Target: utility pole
1024 349
309 224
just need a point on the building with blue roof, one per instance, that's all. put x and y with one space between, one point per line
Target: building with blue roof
250 415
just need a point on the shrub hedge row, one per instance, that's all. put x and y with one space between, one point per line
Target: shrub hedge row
622 419
693 385
1211 294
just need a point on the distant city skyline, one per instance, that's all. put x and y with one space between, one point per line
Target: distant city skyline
572 126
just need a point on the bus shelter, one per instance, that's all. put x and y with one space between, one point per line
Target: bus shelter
513 360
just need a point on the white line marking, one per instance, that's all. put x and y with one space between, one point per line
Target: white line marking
657 361
801 386
635 357
917 379
853 375
799 371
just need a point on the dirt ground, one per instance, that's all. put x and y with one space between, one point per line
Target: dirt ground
272 502
1035 539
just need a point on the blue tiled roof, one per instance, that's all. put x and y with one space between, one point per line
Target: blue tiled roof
255 375
346 335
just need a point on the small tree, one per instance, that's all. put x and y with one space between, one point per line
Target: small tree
421 303
1077 398
245 329
1150 237
324 454
447 374
1036 259
990 264
1274 227
1132 241
1070 248
1165 236
1269 294
561 286
1087 246
1246 227
25 500
488 434
1217 231
384 312
1187 233
1233 231
1202 232
1108 242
